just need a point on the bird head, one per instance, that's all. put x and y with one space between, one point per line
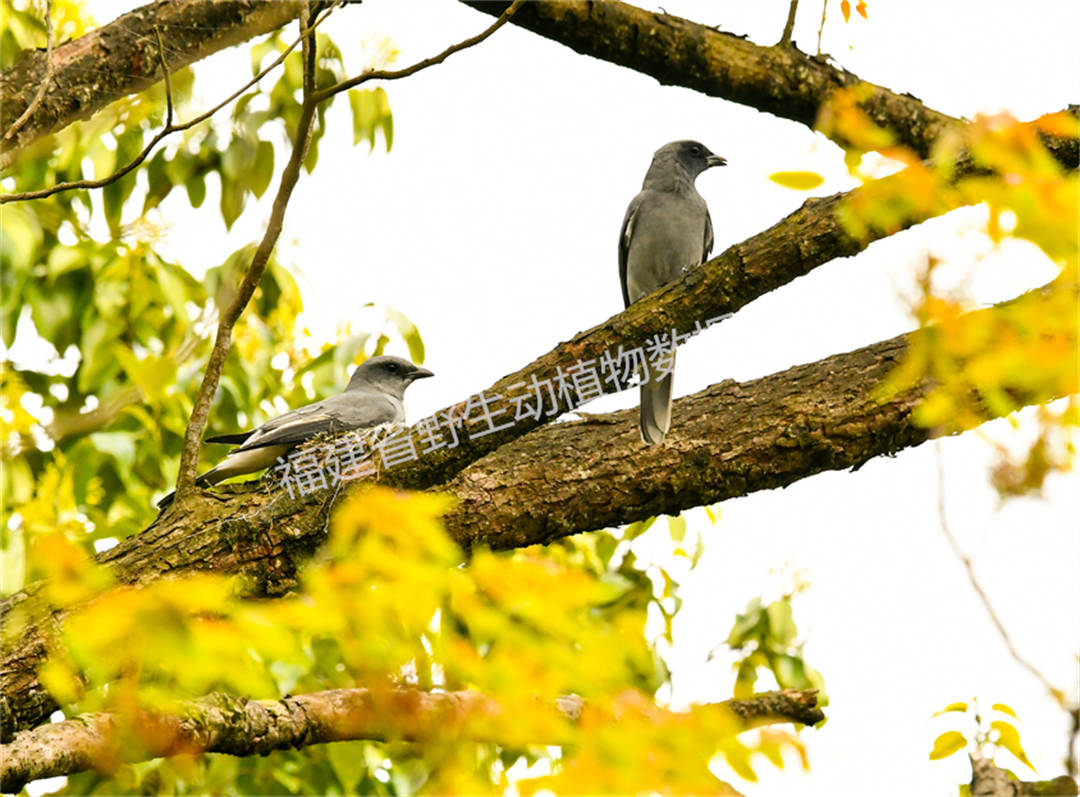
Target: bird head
692 156
387 374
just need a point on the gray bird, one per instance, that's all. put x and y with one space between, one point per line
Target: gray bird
667 229
373 396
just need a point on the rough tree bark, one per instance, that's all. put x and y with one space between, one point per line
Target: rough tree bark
222 723
728 440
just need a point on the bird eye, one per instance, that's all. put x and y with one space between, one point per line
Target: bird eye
391 367
696 150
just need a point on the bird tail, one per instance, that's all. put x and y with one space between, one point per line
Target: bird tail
656 409
232 439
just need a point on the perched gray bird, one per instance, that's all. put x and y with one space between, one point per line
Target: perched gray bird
666 230
373 397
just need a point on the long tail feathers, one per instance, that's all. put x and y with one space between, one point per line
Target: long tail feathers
655 409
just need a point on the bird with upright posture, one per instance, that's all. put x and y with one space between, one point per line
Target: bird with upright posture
373 396
667 229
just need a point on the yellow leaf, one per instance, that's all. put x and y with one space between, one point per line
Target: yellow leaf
1004 709
845 9
947 744
952 707
799 181
1009 738
861 8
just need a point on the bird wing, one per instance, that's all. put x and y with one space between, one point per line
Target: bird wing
708 236
341 413
625 235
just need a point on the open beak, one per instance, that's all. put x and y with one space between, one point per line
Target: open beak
715 160
420 373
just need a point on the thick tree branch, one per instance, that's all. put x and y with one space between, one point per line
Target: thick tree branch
223 723
46 79
728 440
810 237
780 80
676 51
117 60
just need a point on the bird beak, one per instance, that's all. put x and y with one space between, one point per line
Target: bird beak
420 373
715 160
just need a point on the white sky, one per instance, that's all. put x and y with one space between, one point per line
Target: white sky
493 225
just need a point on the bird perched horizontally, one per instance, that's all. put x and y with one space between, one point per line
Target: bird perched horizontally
373 396
667 229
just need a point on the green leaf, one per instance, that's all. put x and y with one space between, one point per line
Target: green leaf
347 761
160 183
636 529
799 181
152 375
744 680
745 624
262 170
118 445
238 158
948 743
782 628
677 528
1009 738
96 347
790 672
196 189
232 200
409 333
371 112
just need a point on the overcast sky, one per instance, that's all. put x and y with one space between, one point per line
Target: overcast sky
493 225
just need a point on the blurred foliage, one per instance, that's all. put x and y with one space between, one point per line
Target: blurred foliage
980 367
766 638
104 340
522 628
113 335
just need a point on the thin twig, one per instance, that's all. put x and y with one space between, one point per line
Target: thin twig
169 129
789 26
970 568
189 457
1073 753
821 28
36 102
392 74
166 78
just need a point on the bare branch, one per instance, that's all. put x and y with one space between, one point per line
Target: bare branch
35 103
221 723
821 27
393 74
789 26
189 457
1055 692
